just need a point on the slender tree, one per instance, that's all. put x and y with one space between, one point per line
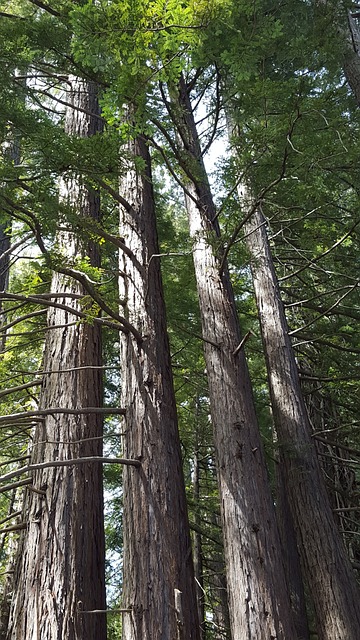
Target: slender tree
326 565
11 152
159 585
258 600
4 272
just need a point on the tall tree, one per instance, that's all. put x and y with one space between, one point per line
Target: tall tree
159 585
258 599
11 151
60 572
4 272
327 568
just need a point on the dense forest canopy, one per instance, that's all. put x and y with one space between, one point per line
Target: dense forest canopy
179 313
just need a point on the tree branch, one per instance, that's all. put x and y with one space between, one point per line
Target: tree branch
15 527
46 7
15 485
63 410
326 312
68 463
5 392
44 299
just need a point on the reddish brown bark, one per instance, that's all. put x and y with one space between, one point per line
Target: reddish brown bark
157 547
258 600
326 567
60 572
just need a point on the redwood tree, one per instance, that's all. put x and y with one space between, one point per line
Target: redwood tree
60 569
258 600
159 585
326 566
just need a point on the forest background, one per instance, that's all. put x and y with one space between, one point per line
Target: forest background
223 137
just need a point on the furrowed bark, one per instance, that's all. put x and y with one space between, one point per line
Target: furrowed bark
157 547
326 567
60 568
258 600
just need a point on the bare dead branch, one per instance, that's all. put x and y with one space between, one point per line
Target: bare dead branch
57 410
241 344
326 312
21 319
68 463
103 610
44 300
105 435
14 514
322 255
15 527
12 461
65 103
6 392
16 245
15 485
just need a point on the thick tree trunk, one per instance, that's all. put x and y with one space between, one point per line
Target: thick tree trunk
258 601
60 573
325 564
159 585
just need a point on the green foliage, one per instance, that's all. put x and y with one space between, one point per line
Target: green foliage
296 131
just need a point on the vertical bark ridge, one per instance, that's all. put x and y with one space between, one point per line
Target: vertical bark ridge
60 570
157 547
258 600
326 566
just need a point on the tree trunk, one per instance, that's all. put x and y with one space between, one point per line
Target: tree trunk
12 153
290 553
4 262
351 62
60 572
326 566
197 543
159 585
4 276
218 592
258 601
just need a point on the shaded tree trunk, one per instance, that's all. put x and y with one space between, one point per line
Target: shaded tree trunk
159 585
4 261
290 553
60 572
4 276
197 544
218 590
12 153
326 567
9 545
351 62
338 463
259 605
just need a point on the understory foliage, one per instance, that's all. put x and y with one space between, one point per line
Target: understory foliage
294 138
